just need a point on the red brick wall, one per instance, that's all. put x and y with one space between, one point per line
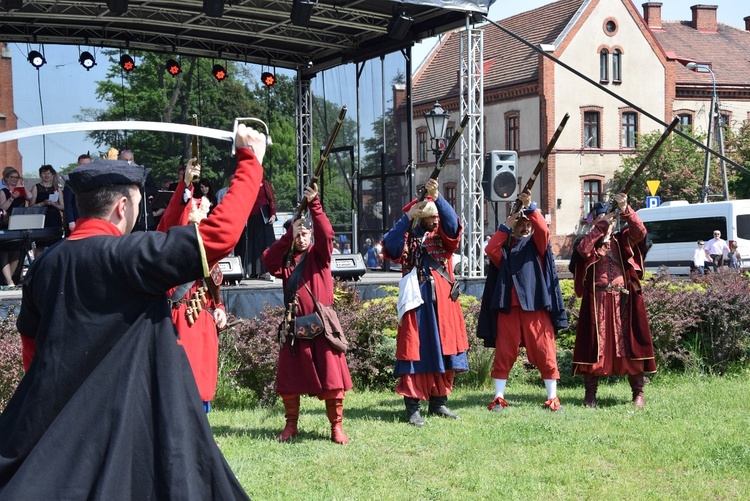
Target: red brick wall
9 154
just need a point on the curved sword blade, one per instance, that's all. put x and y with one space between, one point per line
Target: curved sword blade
42 130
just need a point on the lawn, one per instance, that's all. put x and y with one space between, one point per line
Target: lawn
692 441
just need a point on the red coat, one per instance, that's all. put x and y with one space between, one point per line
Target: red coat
200 340
312 367
629 250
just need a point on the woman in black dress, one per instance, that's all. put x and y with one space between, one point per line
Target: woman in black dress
46 194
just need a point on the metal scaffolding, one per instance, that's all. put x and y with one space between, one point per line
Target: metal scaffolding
472 150
304 123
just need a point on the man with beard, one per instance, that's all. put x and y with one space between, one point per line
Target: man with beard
613 335
522 297
430 347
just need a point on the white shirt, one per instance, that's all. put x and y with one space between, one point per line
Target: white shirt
717 246
700 257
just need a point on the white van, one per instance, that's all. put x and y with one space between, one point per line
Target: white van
675 228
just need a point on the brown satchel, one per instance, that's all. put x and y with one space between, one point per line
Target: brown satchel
331 326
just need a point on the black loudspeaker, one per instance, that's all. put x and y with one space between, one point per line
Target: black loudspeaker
347 266
231 267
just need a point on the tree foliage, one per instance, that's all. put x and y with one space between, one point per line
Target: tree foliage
737 146
150 93
678 165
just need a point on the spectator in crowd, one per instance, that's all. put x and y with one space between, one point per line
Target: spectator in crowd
700 258
69 199
12 195
613 334
717 248
430 346
46 194
108 407
146 220
733 257
258 235
205 189
522 302
310 366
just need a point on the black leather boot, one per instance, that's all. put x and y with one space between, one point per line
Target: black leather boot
412 412
438 408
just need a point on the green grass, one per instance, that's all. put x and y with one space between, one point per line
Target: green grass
692 441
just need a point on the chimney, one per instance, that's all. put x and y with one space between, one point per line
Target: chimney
747 23
652 15
704 18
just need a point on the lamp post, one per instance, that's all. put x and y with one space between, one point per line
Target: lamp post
704 68
437 123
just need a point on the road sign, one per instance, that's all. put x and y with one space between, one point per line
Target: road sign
653 186
653 202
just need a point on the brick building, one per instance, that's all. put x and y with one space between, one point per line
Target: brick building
9 154
637 56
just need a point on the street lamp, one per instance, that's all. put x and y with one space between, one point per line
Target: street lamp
704 68
437 123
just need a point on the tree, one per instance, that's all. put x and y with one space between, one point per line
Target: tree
738 149
678 165
150 93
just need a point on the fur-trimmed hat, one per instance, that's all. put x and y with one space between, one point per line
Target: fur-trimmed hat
429 209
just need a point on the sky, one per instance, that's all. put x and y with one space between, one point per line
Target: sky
60 89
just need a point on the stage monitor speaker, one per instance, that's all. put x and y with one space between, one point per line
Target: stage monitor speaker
347 266
231 267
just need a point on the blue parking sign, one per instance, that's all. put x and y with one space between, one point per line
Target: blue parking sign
653 202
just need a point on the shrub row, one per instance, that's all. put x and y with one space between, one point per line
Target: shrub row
699 325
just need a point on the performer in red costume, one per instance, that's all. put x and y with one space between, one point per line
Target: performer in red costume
526 300
431 341
308 366
613 335
108 407
197 310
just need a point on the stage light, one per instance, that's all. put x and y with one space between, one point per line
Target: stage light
127 63
173 67
268 79
400 25
213 8
87 60
301 12
219 72
36 59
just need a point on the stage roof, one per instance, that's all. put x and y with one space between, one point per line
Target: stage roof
254 31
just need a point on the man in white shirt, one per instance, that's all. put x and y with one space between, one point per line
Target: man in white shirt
717 248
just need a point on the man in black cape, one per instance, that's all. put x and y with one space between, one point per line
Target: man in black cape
108 407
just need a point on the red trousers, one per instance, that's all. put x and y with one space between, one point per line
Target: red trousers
532 329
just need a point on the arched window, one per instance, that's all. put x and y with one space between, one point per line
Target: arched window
617 65
604 65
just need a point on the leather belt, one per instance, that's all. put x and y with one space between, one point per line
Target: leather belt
612 288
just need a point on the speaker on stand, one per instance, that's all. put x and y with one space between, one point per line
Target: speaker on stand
347 266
